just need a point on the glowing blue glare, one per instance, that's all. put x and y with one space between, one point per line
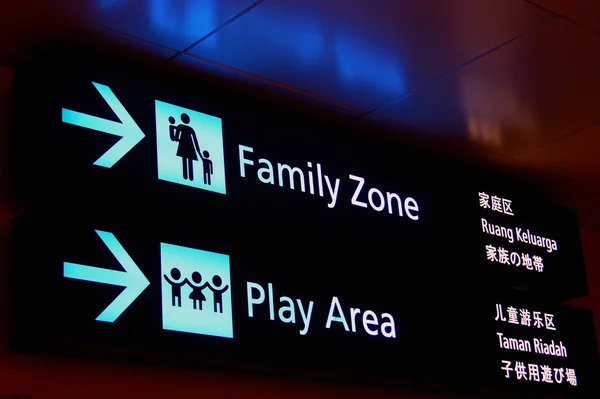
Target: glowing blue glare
208 130
132 278
307 44
311 47
130 132
300 41
109 3
359 63
185 318
191 18
298 44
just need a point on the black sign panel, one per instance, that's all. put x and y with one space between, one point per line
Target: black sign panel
168 225
280 310
146 149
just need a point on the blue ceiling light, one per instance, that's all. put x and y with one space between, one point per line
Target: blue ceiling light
190 19
107 4
359 63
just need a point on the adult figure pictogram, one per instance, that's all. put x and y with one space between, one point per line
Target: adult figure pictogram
188 148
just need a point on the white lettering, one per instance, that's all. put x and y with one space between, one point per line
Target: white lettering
291 172
295 178
333 192
361 183
251 299
515 344
370 318
391 196
388 324
290 308
381 205
335 305
529 238
269 170
411 205
271 310
497 230
353 313
311 184
552 348
377 200
320 179
243 160
306 315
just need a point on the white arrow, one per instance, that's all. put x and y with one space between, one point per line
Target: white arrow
130 132
132 278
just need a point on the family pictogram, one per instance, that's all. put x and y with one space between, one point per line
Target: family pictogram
188 148
197 285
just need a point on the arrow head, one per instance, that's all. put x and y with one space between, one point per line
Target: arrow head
127 129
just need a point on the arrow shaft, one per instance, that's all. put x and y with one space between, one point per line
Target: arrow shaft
95 274
92 122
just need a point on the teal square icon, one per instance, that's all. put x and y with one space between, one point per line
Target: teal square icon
196 291
189 148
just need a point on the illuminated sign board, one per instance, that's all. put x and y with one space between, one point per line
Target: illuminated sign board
101 141
208 230
103 288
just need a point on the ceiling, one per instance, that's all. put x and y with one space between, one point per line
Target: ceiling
518 80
